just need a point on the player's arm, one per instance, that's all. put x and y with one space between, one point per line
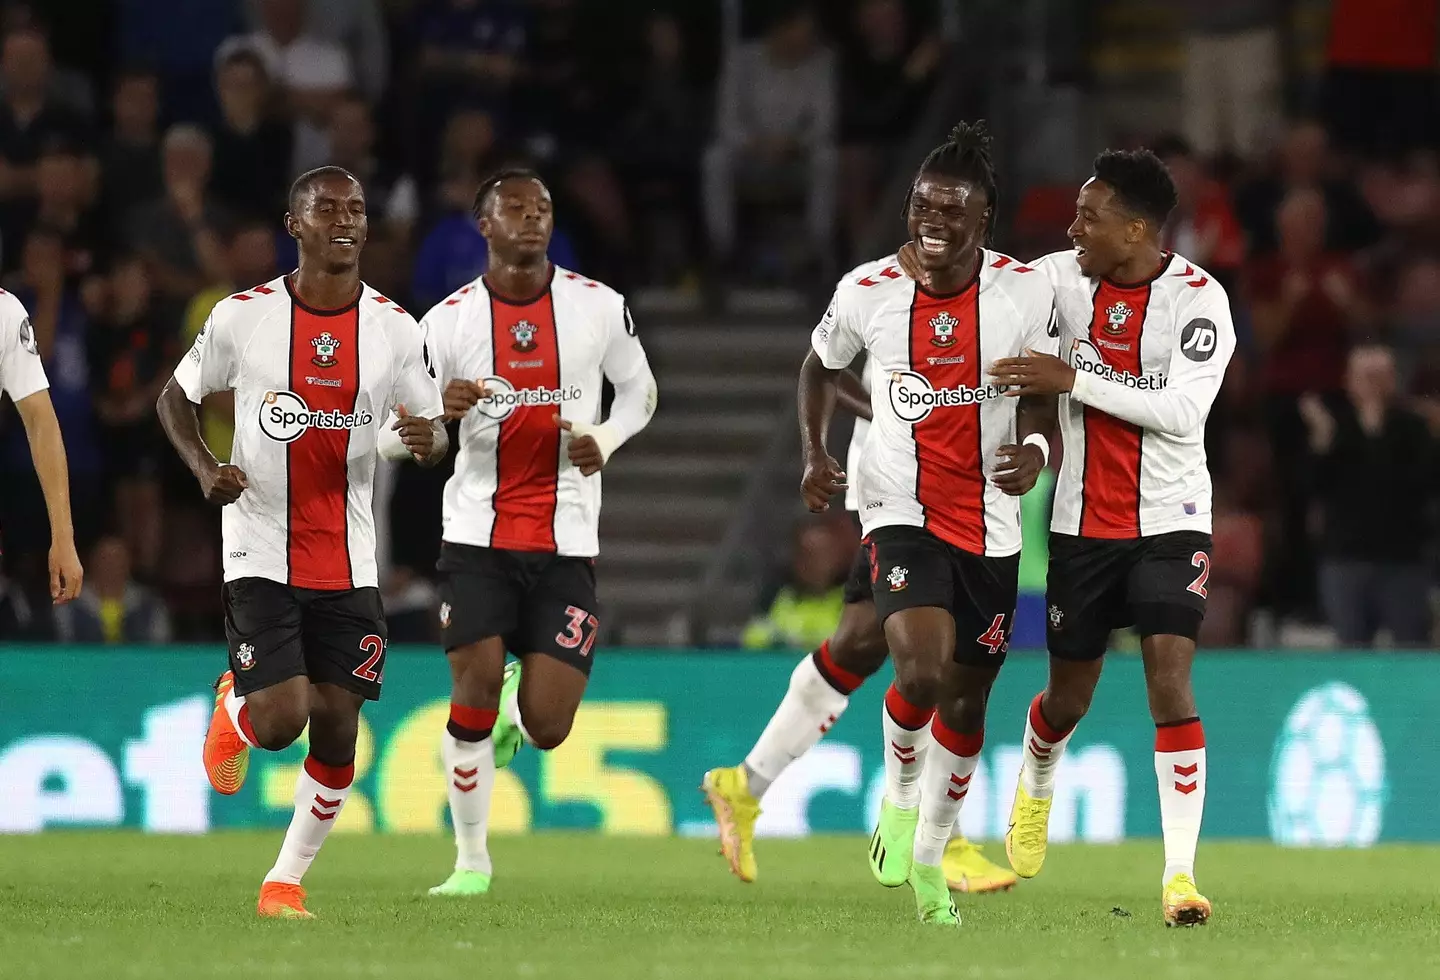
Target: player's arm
850 394
834 343
208 366
1036 416
636 398
1197 369
419 426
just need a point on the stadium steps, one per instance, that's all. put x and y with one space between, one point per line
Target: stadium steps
672 492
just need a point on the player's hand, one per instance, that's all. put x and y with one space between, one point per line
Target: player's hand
1033 374
461 396
66 575
584 451
822 480
416 433
1019 468
224 484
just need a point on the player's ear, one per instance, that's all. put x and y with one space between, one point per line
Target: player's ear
291 226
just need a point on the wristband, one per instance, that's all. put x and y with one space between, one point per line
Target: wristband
1036 439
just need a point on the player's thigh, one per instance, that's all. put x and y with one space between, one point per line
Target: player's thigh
481 591
1166 585
1084 595
550 693
263 631
558 612
345 638
986 590
914 589
476 672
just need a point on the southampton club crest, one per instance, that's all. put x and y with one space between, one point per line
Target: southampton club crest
898 578
1119 318
245 654
943 325
1057 616
325 346
524 334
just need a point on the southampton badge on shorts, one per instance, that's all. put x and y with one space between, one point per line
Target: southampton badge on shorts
245 655
898 578
445 615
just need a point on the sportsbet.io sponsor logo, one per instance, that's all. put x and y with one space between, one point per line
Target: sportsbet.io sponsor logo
505 398
912 397
1085 357
285 417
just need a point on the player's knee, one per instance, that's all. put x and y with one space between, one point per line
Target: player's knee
280 724
919 682
860 652
1171 699
547 731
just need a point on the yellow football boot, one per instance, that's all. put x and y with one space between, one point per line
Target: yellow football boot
1183 904
727 790
967 869
1028 835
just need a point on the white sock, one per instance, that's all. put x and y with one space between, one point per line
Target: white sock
949 763
233 703
807 711
317 804
510 705
907 733
470 776
1180 769
1041 753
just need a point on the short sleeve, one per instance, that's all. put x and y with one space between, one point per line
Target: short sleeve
210 364
1042 329
838 338
21 372
624 356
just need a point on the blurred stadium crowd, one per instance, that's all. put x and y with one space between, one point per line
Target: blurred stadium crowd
146 147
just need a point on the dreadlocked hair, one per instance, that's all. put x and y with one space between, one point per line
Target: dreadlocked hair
965 154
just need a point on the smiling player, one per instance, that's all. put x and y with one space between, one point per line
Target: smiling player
317 360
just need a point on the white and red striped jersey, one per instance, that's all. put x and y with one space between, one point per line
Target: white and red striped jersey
312 389
938 420
1149 360
21 373
514 487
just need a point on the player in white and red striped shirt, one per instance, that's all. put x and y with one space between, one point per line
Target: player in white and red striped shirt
522 353
1145 339
317 360
944 462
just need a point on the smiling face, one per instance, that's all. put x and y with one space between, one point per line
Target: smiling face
329 222
518 220
947 220
1104 232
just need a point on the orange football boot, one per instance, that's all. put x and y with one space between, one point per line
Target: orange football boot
227 757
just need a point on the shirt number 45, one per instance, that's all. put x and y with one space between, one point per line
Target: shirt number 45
579 632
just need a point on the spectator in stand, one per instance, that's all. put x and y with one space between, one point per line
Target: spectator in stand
175 233
133 354
249 261
470 51
392 200
64 203
31 116
1231 79
804 612
887 69
1304 161
130 160
358 26
1415 333
1306 304
113 608
657 144
775 125
1202 227
252 148
313 74
1375 479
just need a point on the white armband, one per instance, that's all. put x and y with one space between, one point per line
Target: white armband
1036 439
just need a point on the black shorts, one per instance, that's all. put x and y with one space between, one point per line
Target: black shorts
911 567
536 602
857 586
277 632
1095 586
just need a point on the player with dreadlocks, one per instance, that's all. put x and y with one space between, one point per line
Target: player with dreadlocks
945 461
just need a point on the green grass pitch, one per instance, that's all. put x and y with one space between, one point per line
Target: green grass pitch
119 905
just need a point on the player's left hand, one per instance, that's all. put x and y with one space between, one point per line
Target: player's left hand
584 451
1033 374
1019 468
66 574
416 432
